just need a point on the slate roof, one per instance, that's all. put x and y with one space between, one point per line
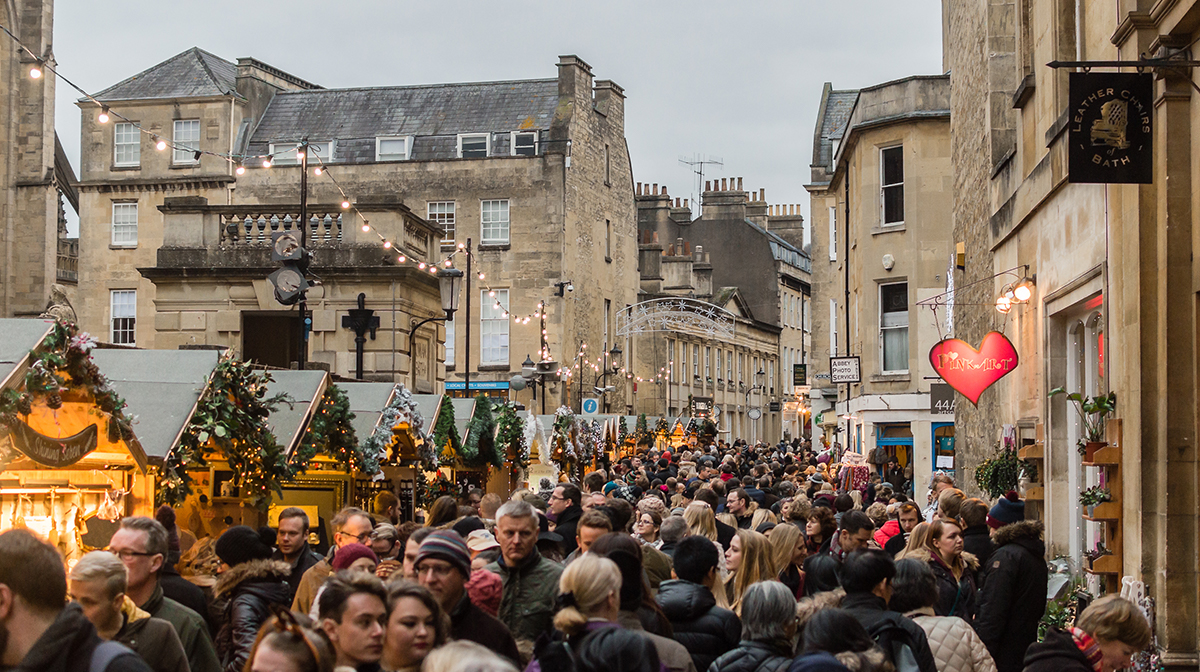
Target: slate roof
290 419
367 401
838 107
434 114
193 73
17 337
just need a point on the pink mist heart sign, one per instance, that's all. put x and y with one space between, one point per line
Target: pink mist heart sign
972 371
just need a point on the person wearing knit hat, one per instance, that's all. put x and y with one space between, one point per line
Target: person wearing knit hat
443 565
485 589
1013 597
355 557
173 585
249 585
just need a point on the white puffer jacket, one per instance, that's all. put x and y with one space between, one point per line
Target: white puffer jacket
955 646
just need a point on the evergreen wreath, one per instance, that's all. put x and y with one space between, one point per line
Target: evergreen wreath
438 487
62 363
510 438
331 433
446 441
480 447
230 420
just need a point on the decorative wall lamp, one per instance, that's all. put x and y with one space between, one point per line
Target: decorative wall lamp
1014 293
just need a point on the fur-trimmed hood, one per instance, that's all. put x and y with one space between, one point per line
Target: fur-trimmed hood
265 571
1025 529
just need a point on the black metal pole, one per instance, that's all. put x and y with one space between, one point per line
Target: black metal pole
303 356
467 363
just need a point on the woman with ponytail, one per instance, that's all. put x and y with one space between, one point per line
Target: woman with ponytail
589 599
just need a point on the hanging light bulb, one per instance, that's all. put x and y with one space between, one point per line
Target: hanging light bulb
432 268
366 228
403 258
461 246
1024 291
1003 304
345 205
159 143
400 259
317 170
447 263
491 294
240 170
299 155
387 244
481 276
421 265
103 117
36 71
267 162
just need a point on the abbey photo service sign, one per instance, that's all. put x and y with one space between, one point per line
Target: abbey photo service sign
1110 133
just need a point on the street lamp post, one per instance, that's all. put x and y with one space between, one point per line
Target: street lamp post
760 383
450 282
614 364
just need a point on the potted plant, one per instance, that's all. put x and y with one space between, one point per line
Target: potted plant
1092 413
1096 553
1093 496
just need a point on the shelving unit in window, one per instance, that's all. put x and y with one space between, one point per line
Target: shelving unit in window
1033 448
1108 514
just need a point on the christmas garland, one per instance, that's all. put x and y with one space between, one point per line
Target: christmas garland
331 433
480 448
641 435
446 441
384 442
60 363
563 449
439 487
510 438
230 419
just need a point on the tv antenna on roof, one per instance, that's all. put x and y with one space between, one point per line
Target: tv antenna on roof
697 163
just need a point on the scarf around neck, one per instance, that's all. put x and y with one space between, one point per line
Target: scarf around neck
1088 646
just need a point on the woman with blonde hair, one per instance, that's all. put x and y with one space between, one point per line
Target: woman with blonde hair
589 599
701 521
763 516
857 497
789 550
918 543
749 560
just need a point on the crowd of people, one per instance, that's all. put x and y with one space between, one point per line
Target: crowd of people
731 558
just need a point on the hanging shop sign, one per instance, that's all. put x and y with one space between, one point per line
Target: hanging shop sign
970 370
845 370
941 399
799 375
50 451
1111 128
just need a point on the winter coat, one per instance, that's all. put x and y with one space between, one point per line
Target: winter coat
886 531
312 580
673 656
304 561
870 610
956 597
817 661
706 630
151 638
725 535
657 566
755 656
186 593
954 644
566 525
1013 597
897 543
1057 653
977 541
243 596
530 590
191 628
67 646
469 622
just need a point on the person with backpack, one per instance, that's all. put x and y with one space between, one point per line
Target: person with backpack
768 625
867 579
41 630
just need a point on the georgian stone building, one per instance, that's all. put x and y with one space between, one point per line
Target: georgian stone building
534 173
881 213
35 176
747 257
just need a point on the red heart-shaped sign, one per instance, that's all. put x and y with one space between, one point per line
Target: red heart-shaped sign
972 371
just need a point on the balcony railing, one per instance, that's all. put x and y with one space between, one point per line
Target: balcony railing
67 263
254 228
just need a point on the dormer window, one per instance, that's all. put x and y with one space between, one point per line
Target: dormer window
524 143
474 145
286 153
393 148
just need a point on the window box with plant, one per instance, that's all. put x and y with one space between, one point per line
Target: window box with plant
1092 413
1094 497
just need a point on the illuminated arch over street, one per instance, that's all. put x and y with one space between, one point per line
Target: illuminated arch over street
677 314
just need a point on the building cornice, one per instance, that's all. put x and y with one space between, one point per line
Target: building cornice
184 183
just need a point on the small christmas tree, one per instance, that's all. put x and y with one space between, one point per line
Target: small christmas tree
641 434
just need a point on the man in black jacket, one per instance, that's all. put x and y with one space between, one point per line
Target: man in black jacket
565 505
1013 597
867 578
704 629
977 536
291 544
37 632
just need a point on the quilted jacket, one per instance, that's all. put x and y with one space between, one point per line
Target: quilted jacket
955 646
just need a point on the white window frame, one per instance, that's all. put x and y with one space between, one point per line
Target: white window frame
707 362
833 334
695 361
833 242
884 186
282 153
449 342
488 228
380 156
448 232
127 332
133 141
493 324
124 233
892 324
729 365
487 139
184 151
512 142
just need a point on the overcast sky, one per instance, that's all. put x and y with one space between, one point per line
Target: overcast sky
738 81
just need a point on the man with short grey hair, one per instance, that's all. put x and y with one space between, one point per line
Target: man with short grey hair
351 525
671 531
530 581
97 584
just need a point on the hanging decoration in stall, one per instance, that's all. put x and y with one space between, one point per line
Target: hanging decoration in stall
562 447
511 439
331 433
61 366
971 371
230 422
1111 130
440 486
480 448
446 441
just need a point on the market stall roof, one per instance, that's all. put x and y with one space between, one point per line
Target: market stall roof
161 388
17 338
367 401
429 405
289 420
463 410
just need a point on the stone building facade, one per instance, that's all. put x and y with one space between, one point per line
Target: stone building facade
35 177
748 257
881 205
1115 296
535 173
